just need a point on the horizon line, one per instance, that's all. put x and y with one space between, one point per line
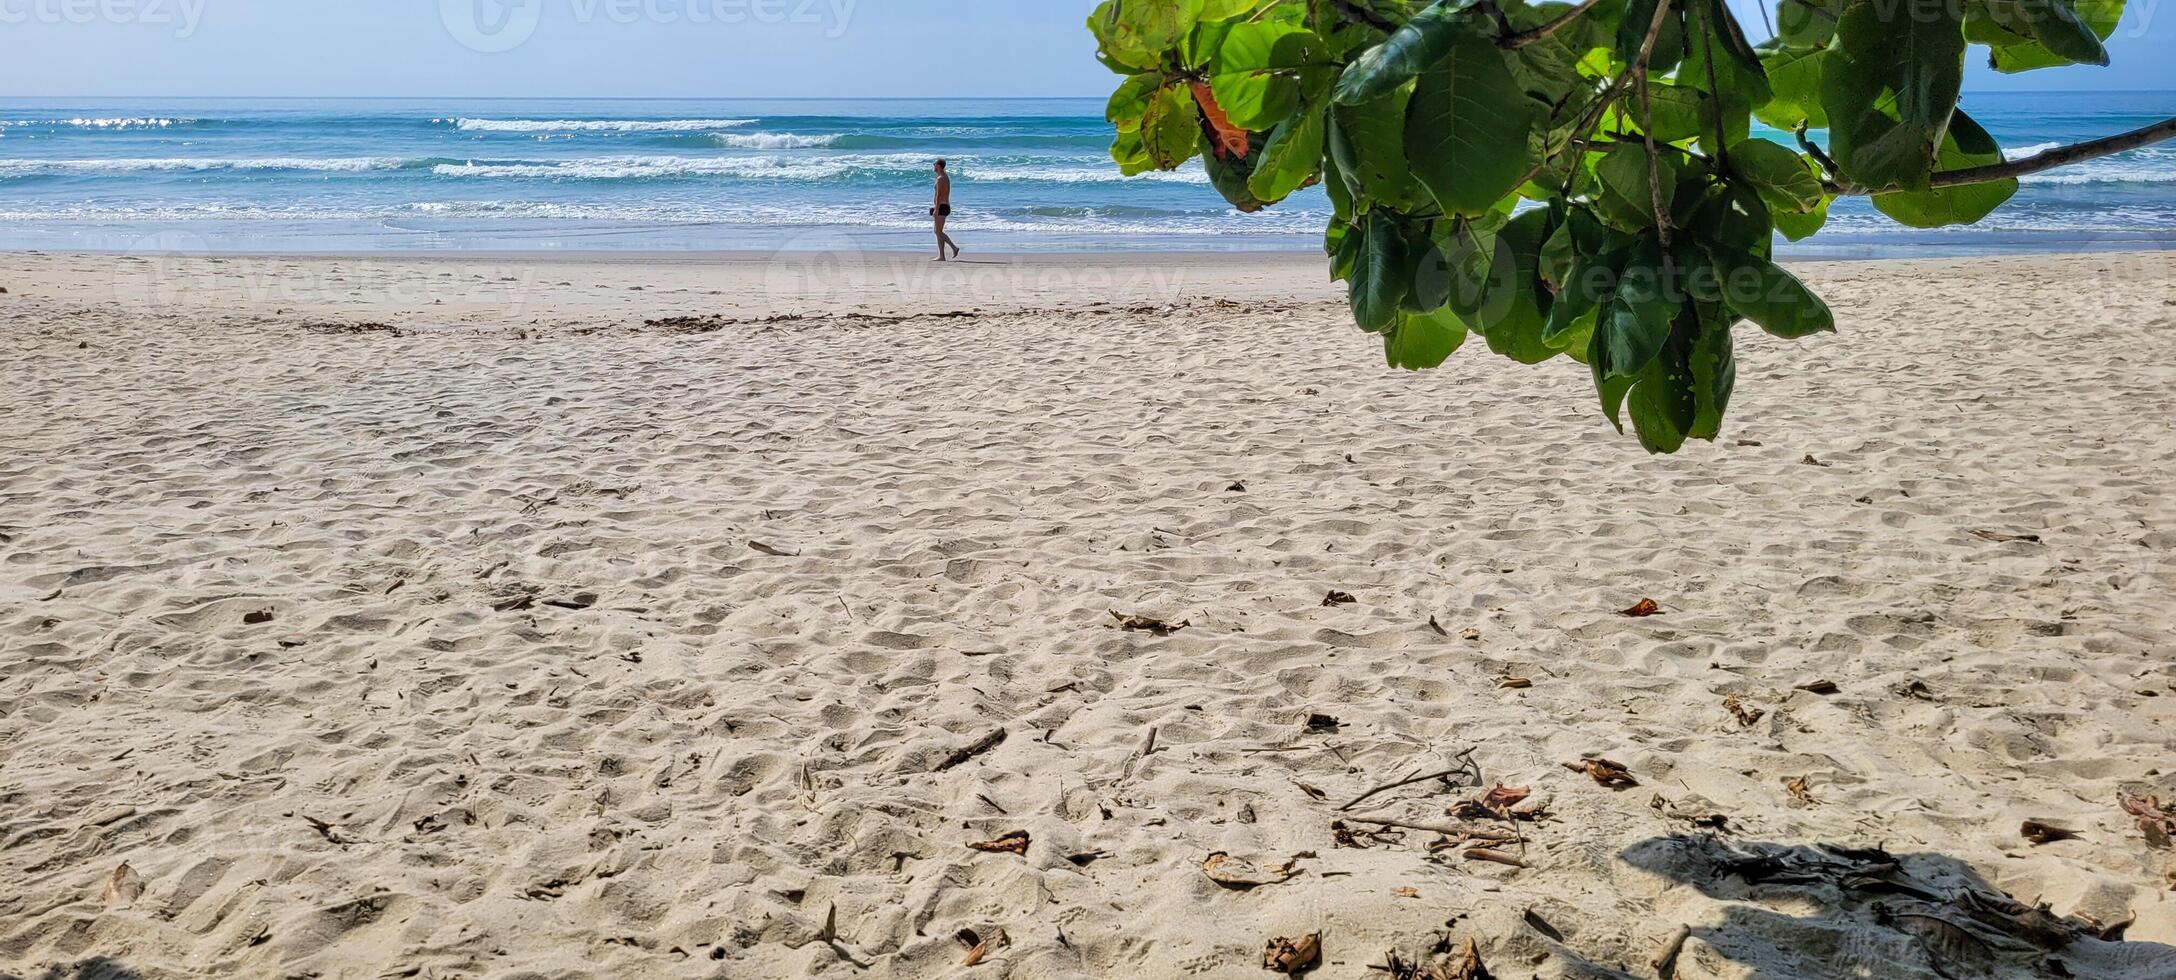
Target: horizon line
815 98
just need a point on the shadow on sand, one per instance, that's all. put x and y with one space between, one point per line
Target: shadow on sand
1799 912
95 968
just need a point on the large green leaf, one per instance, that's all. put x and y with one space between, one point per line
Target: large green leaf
1382 275
1890 97
1421 341
1965 146
1130 102
1794 80
1714 364
1292 157
1466 128
1784 179
1639 16
1512 316
1253 71
1636 318
1139 33
1368 143
1627 195
1720 62
1761 291
1233 177
2029 34
1171 127
1422 42
1665 403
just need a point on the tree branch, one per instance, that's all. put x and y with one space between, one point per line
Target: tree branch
1359 14
2061 156
1647 122
1520 39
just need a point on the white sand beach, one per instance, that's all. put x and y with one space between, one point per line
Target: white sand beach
658 616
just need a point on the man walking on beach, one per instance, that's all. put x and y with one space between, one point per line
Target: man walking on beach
943 211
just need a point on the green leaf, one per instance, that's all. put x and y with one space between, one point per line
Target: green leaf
1466 128
2029 34
1512 319
1628 195
1131 155
1720 62
1807 24
1761 291
1665 403
1140 33
1421 341
1171 127
1639 15
1799 227
1368 143
1794 80
1233 178
1890 96
1382 275
1130 102
1292 157
1784 179
1252 72
1965 146
1714 365
1410 50
1636 319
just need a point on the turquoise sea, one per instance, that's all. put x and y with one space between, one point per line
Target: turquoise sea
368 175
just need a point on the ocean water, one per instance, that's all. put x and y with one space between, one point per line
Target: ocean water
371 175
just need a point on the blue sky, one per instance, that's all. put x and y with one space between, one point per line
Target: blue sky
657 48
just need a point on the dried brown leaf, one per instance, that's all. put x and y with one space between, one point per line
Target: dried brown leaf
1643 609
1800 789
1407 892
1514 684
1605 772
1291 956
1320 724
1012 843
1820 687
1468 965
1748 716
123 887
1240 874
1500 798
771 551
2156 820
1147 624
1336 598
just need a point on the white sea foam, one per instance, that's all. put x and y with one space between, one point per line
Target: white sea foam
86 123
31 167
820 168
2020 153
594 125
774 141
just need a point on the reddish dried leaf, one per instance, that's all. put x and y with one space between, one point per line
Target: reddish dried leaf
1500 799
1799 789
1748 716
1407 893
2157 821
1240 874
1012 843
1468 965
1291 956
123 887
1230 141
1605 772
1645 608
1147 624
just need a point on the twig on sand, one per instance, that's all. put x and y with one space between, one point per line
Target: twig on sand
981 745
1466 767
1665 962
1433 828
